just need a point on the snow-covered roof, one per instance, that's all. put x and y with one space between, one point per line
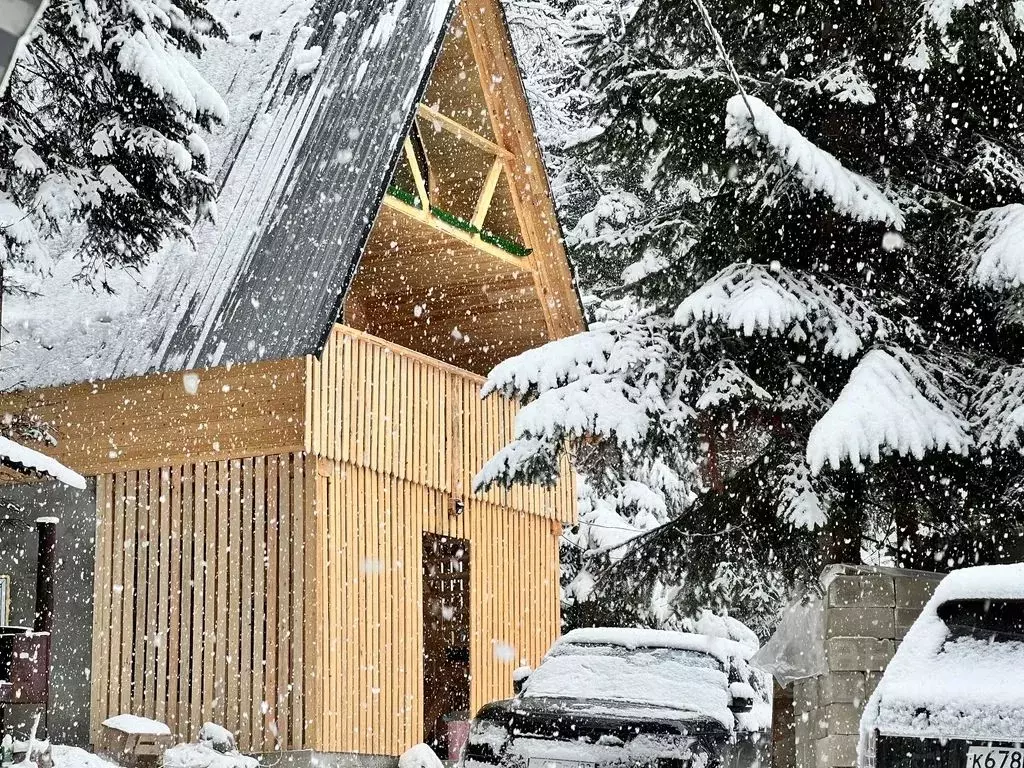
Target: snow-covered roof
718 647
949 686
18 454
302 165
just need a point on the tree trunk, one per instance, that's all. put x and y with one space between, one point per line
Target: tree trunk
842 539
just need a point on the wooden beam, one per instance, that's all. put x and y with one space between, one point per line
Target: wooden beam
462 132
170 418
417 175
510 119
483 205
442 226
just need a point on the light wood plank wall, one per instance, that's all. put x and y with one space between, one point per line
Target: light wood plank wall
154 421
205 581
376 405
371 608
401 435
281 595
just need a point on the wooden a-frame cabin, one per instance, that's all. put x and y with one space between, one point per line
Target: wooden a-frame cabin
281 535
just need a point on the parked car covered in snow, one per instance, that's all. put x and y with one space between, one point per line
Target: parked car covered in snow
610 697
953 695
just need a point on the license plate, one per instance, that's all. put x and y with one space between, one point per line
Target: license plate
994 757
543 762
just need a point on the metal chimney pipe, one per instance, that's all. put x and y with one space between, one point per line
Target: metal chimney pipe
46 566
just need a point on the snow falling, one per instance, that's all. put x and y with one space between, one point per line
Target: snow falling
511 383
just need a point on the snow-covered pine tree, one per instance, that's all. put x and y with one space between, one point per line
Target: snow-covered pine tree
101 131
814 354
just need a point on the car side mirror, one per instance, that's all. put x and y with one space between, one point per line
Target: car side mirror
741 698
519 678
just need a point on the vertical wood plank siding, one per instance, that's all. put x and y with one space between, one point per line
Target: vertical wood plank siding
379 406
401 436
372 637
182 585
281 595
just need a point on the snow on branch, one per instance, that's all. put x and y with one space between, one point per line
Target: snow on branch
592 406
169 75
999 414
755 299
725 383
525 460
996 166
937 18
819 171
553 365
996 252
891 403
845 83
614 385
800 504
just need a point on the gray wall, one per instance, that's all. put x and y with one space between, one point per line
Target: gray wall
72 638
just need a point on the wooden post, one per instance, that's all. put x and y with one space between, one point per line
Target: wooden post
417 175
483 205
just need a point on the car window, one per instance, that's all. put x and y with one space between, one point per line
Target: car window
1000 620
663 677
638 655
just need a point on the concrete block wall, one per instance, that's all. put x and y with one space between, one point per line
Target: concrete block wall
867 613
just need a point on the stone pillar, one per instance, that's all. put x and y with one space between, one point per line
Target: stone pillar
867 613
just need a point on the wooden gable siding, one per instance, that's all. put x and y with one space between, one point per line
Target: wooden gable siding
513 126
376 405
146 422
371 609
206 599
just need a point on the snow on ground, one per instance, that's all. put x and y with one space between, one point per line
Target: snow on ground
925 693
419 756
205 756
75 757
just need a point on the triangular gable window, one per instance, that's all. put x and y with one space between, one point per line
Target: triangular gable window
451 167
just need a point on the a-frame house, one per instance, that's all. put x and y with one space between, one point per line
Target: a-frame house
281 431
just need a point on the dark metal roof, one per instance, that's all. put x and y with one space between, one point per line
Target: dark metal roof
284 292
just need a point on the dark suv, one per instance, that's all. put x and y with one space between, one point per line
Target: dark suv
609 697
953 695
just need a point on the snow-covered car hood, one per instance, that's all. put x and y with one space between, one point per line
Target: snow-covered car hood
938 686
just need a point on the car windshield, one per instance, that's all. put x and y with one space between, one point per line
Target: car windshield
987 619
657 677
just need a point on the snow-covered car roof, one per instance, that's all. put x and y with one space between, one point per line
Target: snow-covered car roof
721 648
942 685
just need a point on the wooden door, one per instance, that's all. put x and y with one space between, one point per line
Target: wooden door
445 635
